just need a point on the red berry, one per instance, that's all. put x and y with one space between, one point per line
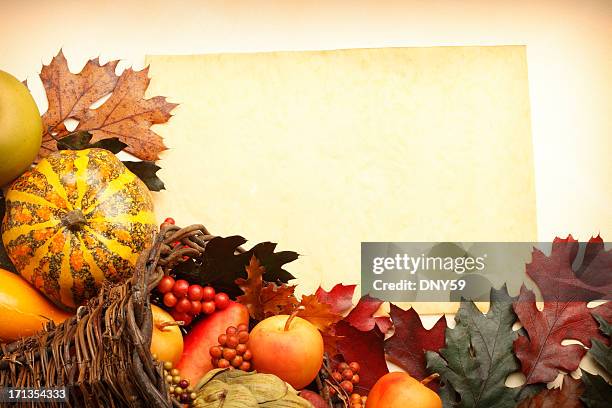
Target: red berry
196 307
216 351
247 355
355 379
208 307
221 301
208 293
241 348
243 337
229 354
169 299
236 362
230 329
243 327
169 220
245 366
347 374
183 305
354 366
194 292
232 341
347 386
222 339
223 363
179 316
342 366
180 289
165 284
337 376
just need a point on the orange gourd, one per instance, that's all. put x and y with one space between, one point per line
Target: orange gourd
23 310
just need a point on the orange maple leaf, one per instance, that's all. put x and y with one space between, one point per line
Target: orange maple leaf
252 286
318 313
125 115
278 299
264 299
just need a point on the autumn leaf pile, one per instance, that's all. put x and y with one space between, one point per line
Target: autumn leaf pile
474 358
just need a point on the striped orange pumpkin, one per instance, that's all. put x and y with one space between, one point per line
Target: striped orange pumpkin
76 219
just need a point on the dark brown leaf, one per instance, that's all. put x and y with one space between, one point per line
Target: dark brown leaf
568 396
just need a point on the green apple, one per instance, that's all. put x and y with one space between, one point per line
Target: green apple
20 128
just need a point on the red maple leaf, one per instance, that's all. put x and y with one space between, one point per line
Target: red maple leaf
407 346
362 316
340 297
541 353
367 349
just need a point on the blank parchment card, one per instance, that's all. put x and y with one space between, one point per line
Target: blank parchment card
320 151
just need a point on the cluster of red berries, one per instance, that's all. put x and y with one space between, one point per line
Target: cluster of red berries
188 301
232 350
347 376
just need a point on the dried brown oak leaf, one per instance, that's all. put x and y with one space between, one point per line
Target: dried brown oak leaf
568 396
125 114
264 299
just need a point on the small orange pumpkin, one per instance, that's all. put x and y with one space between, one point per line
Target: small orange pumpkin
75 220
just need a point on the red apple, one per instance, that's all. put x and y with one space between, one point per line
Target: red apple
195 361
167 340
401 390
315 399
288 347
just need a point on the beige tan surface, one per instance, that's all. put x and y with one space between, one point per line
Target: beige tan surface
322 150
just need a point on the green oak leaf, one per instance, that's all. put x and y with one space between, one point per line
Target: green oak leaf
146 171
598 393
82 140
599 351
478 355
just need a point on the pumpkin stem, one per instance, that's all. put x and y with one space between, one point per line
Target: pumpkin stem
74 220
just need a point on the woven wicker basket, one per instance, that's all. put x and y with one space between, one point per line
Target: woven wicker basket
101 355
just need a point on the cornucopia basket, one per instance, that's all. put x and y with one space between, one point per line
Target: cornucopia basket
102 354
